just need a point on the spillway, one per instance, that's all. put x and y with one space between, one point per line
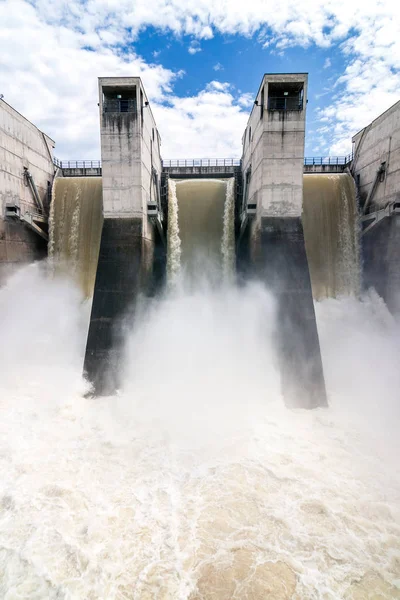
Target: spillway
201 237
75 225
331 234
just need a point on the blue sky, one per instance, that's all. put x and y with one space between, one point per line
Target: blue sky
201 62
241 61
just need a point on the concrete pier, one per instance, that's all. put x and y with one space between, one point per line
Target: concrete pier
131 171
271 228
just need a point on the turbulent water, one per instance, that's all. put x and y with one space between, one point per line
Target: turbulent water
75 224
331 234
201 228
195 483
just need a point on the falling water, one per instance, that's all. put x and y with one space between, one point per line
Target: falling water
174 241
201 228
75 225
228 235
331 234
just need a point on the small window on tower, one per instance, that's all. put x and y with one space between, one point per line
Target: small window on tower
153 133
249 134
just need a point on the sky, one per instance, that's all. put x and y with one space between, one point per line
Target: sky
201 62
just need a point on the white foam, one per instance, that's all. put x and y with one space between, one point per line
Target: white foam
195 480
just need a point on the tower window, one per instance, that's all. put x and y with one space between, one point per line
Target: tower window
119 100
285 96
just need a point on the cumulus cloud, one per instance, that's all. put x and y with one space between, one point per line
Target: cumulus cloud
218 67
52 53
327 63
194 47
208 124
246 100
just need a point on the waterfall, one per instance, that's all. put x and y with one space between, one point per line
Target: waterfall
75 226
228 236
201 228
331 235
174 241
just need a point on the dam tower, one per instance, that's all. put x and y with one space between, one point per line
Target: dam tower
271 244
131 174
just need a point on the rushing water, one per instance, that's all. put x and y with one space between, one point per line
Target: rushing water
201 228
75 224
331 234
195 482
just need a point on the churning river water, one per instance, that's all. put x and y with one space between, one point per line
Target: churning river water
195 482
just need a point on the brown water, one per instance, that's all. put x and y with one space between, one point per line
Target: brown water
331 234
201 205
76 221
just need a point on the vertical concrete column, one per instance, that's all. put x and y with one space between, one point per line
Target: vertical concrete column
273 158
127 243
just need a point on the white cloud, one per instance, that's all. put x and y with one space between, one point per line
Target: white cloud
52 52
218 67
194 47
327 63
209 124
246 100
52 80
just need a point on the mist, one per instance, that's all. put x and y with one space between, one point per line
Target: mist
195 481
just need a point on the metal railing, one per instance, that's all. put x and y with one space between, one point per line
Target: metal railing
77 164
119 105
328 160
285 103
202 162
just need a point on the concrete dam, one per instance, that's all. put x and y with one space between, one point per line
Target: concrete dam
133 224
204 231
165 327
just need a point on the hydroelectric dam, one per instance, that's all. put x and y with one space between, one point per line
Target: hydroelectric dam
131 224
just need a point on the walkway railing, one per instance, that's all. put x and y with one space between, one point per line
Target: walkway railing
328 160
202 162
77 164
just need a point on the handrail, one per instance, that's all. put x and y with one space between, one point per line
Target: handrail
328 160
285 103
202 162
77 164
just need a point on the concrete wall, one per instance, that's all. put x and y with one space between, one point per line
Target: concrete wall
274 148
21 145
379 142
130 147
